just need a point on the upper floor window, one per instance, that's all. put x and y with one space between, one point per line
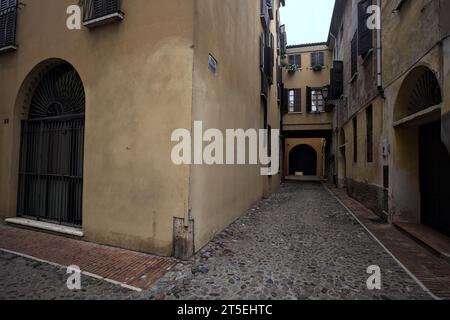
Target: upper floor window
365 35
354 55
295 60
8 18
295 100
317 59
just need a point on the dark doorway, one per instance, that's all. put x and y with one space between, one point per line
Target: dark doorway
303 158
52 150
434 179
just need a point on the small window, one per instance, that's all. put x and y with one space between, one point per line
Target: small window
317 59
295 100
295 60
355 140
369 121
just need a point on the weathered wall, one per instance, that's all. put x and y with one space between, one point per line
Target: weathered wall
316 143
416 28
364 179
138 82
230 99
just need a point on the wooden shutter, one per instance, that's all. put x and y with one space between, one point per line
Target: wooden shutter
354 54
8 17
337 80
308 99
285 100
262 45
313 59
365 41
321 57
298 100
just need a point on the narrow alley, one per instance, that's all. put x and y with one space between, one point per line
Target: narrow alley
301 243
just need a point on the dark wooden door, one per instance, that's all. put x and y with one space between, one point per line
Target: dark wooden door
434 179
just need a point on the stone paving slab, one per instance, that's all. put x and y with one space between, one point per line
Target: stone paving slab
127 267
431 270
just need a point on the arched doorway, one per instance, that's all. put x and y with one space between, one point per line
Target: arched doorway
303 159
52 148
421 160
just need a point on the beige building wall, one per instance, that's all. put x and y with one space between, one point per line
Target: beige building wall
230 99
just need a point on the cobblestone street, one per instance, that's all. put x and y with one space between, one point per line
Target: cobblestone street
299 244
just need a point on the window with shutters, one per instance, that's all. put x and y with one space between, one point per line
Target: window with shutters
317 60
8 18
271 8
354 55
337 80
369 142
295 60
100 12
295 101
365 35
355 139
264 15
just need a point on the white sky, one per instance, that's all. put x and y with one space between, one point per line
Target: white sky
307 20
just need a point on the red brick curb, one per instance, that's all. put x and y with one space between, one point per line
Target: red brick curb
126 267
429 269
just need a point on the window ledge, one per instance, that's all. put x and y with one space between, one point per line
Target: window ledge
8 49
113 17
46 226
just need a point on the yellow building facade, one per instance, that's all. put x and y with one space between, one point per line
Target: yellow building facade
307 123
137 70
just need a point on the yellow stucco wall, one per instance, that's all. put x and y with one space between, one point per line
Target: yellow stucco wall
137 76
306 77
230 99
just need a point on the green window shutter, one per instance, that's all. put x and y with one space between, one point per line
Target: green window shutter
365 35
308 99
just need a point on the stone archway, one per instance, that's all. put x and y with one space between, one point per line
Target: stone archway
421 160
50 121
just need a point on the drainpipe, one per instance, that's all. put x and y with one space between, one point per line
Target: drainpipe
379 57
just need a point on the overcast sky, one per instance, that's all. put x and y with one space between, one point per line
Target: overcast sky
307 20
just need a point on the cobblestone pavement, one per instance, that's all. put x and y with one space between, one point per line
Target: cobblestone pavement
299 244
24 279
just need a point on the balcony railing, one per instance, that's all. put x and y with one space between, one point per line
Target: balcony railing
8 22
100 12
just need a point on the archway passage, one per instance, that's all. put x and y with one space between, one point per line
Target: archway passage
52 149
303 160
434 178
